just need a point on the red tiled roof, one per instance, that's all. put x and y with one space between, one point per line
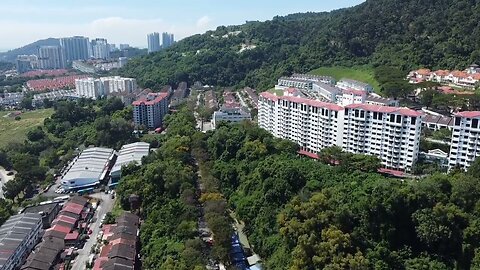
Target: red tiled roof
308 154
391 172
459 74
60 228
442 72
310 102
54 83
71 236
385 109
469 114
66 219
72 208
155 98
424 71
50 72
476 76
354 92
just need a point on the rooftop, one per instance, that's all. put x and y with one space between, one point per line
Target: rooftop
131 153
151 99
472 114
14 231
384 109
310 102
354 82
90 164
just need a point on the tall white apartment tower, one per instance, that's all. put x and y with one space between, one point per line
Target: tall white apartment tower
313 125
465 147
153 41
390 133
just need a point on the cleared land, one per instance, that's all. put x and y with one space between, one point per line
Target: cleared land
12 130
363 74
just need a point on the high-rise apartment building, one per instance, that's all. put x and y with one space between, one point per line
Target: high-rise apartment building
153 41
100 48
51 57
95 88
167 40
392 134
76 48
150 110
25 63
124 46
465 144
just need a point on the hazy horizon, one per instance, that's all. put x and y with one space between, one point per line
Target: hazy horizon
24 21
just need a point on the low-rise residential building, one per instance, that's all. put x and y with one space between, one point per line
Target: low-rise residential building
120 252
315 78
150 110
11 99
392 134
327 91
231 114
53 96
435 156
88 169
18 235
252 96
355 85
130 153
374 99
179 95
48 212
437 122
468 78
465 146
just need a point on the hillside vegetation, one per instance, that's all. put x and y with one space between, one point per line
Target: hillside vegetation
31 48
405 34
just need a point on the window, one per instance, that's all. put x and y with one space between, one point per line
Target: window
474 123
414 120
457 121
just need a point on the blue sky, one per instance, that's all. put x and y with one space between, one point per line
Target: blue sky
122 21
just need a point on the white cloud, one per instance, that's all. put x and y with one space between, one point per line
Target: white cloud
115 29
204 22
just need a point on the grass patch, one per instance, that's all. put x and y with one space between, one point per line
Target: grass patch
363 74
12 130
276 91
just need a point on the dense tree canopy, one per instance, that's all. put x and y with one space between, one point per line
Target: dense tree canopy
302 214
404 34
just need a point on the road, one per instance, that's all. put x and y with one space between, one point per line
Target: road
4 178
244 104
106 205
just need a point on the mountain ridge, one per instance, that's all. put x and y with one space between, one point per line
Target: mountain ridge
406 34
32 48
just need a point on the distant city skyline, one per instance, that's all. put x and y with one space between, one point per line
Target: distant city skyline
122 21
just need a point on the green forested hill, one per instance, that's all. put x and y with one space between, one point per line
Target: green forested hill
405 34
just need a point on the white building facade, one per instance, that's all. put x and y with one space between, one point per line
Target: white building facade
231 115
95 88
391 134
313 125
150 110
465 140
